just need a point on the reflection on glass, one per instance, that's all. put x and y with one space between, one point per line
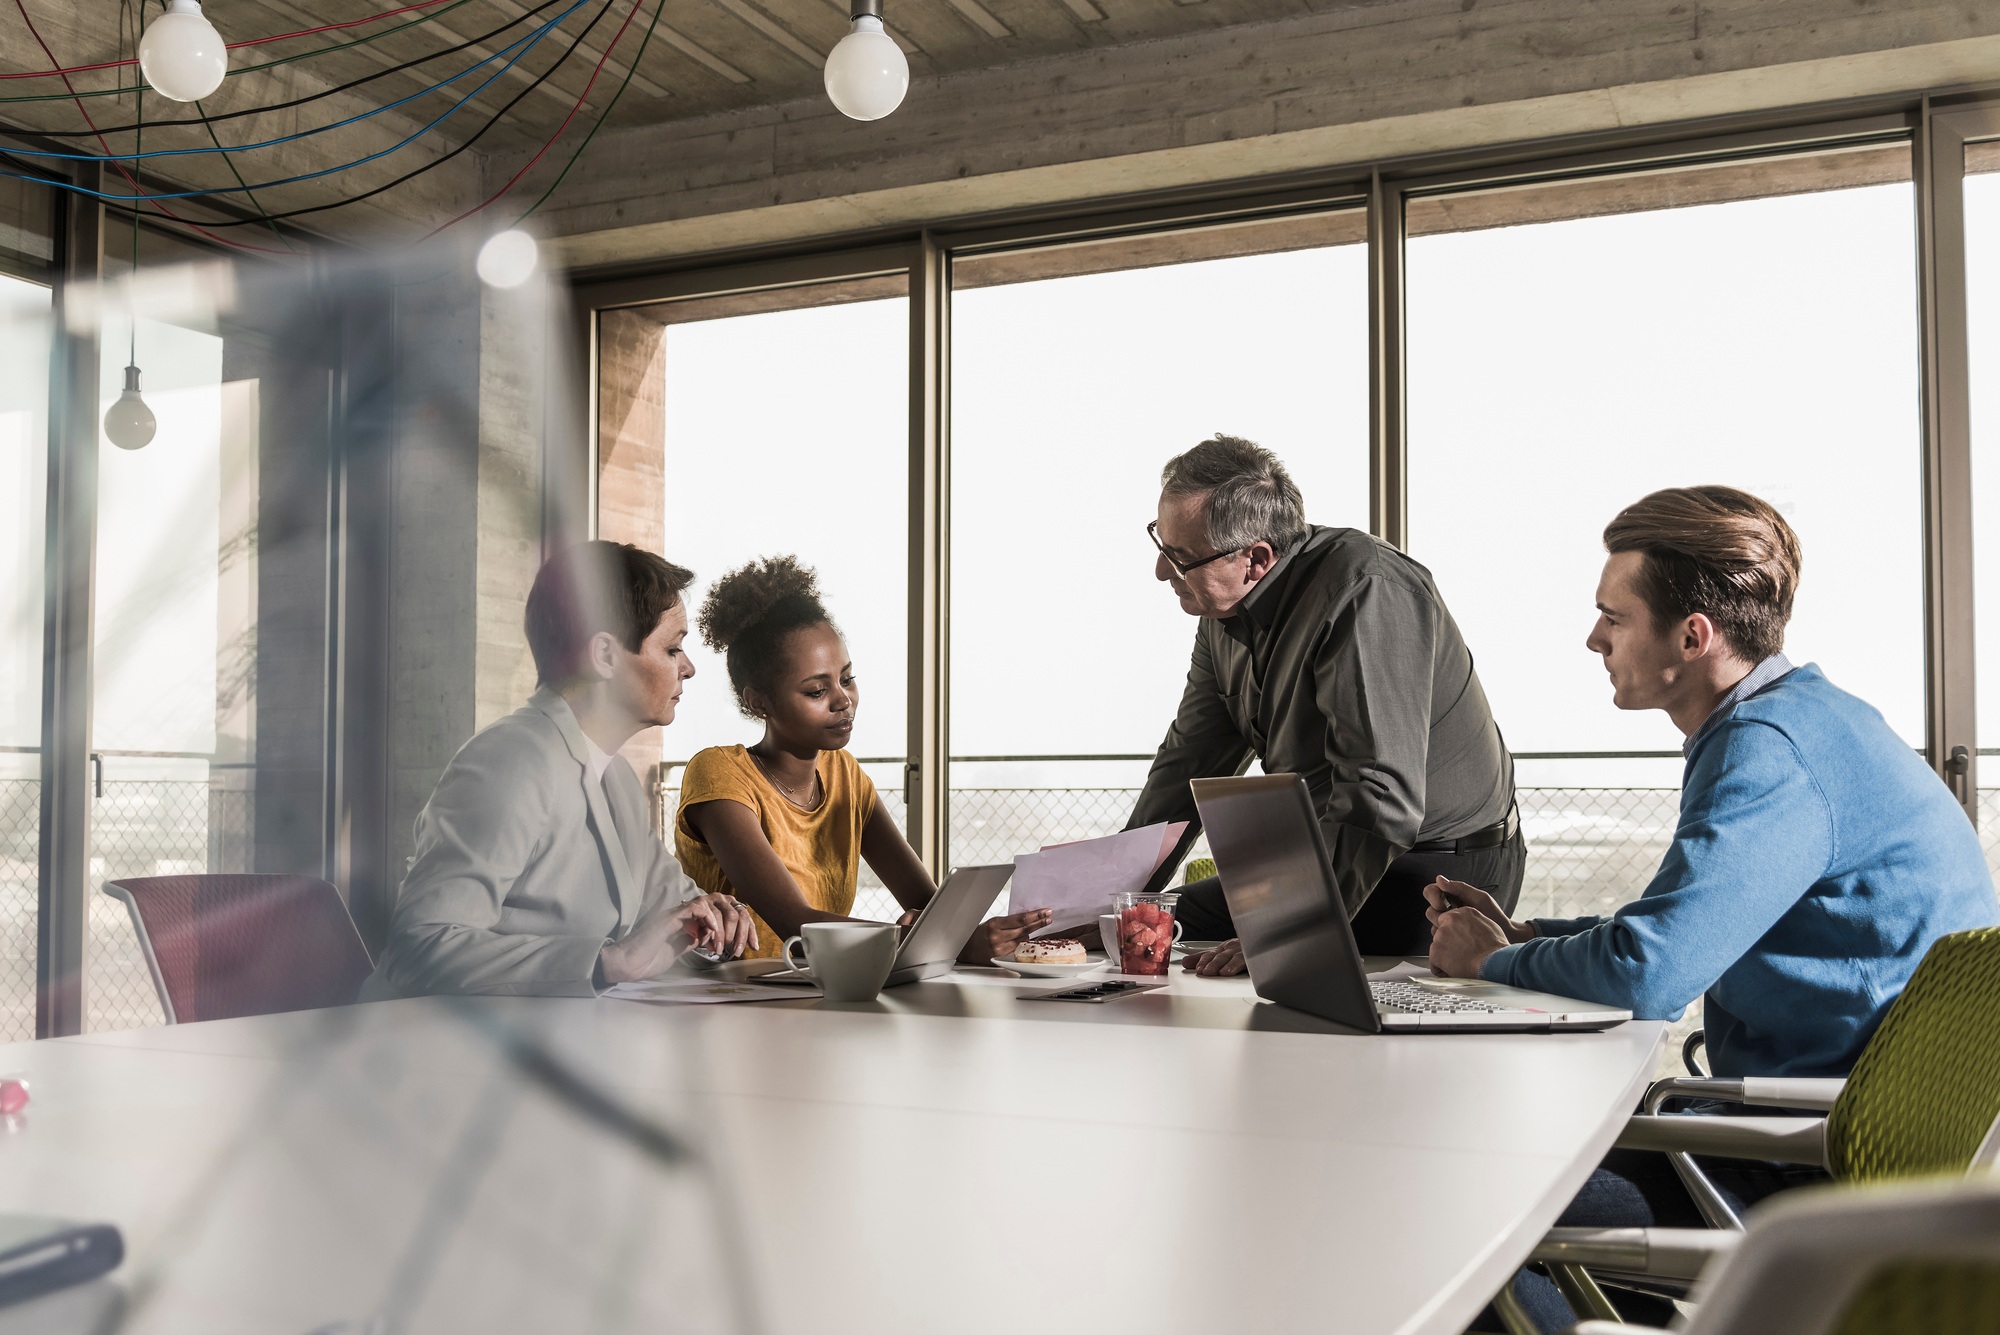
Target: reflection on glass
24 452
1077 372
736 429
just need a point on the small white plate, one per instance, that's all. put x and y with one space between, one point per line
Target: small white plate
1051 970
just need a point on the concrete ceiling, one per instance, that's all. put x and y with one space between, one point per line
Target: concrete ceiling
705 57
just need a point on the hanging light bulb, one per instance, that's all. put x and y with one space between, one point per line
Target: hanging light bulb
507 259
182 55
866 75
129 423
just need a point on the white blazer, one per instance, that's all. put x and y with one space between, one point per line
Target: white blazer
525 868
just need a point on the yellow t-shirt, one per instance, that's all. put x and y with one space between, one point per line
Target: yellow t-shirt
821 848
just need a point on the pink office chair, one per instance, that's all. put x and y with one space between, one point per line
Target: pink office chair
223 946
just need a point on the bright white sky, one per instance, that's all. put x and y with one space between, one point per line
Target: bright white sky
1558 372
1982 231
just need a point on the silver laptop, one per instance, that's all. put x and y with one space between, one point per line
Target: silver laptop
1292 921
931 946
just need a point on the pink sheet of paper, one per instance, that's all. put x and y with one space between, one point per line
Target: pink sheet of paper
1078 879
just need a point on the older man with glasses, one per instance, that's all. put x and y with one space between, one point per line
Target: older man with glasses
1327 653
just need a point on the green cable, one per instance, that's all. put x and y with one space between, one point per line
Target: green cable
602 116
250 69
230 162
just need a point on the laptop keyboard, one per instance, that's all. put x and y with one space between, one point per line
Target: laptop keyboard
1411 997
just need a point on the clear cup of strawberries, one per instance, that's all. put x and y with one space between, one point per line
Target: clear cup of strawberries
1146 931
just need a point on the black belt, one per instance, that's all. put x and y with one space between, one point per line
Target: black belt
1492 836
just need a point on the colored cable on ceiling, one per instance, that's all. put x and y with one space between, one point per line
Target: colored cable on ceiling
249 69
119 166
434 163
529 41
335 125
633 68
589 84
312 97
232 46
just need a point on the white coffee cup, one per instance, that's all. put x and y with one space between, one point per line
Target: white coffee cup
1107 928
849 960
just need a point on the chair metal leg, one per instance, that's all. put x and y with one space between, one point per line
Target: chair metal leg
1512 1315
1707 1199
1582 1293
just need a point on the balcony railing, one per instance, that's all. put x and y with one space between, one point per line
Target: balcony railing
1589 850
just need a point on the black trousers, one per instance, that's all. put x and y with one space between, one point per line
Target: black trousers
1392 922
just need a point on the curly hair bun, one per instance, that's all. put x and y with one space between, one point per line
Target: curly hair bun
743 598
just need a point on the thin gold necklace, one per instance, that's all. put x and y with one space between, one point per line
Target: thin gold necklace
791 794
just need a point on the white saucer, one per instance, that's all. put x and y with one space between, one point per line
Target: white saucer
1052 970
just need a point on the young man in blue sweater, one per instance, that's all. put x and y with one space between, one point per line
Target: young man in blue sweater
1817 857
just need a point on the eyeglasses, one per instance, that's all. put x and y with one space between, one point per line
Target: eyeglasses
1153 532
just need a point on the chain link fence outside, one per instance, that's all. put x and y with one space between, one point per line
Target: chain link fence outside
138 828
20 855
1589 850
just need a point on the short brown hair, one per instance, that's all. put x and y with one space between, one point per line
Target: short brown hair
593 587
1717 551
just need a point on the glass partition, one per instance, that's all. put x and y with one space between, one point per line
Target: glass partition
732 428
1077 372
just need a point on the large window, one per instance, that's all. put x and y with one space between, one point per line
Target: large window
1077 372
1573 347
174 708
1982 273
773 423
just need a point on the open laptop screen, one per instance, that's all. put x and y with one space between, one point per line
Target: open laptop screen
1288 912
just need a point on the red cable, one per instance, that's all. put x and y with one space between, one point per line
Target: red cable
515 179
130 179
232 46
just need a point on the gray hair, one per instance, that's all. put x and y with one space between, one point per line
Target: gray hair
1251 498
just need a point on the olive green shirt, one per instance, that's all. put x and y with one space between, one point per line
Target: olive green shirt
1343 666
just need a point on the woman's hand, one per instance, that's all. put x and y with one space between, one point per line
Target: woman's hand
998 938
663 932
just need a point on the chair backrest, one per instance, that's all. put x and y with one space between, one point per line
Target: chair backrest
1198 869
224 946
1927 1087
1907 1259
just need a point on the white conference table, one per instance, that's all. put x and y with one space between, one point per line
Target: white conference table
948 1158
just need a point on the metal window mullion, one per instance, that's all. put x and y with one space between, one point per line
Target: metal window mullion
1950 683
63 872
1388 476
926 776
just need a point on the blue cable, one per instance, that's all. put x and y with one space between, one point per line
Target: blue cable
513 60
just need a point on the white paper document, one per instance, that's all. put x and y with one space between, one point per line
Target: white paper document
1077 880
702 991
1396 973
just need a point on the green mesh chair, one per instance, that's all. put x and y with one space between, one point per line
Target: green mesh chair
1904 1259
1924 1100
1198 869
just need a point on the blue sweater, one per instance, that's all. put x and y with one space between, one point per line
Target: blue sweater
1816 860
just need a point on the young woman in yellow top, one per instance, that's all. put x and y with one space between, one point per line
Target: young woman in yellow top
785 823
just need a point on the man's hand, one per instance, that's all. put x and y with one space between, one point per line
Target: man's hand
999 938
1467 925
1225 961
1443 896
715 922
